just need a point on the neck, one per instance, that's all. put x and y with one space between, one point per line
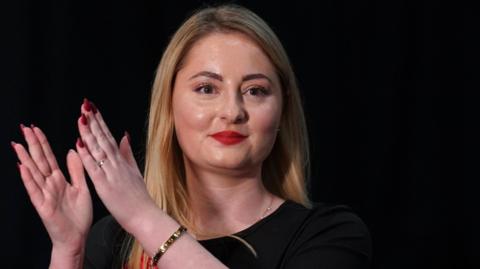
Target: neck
226 202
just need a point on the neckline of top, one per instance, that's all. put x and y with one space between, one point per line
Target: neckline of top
252 227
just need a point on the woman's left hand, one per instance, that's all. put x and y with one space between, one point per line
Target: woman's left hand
112 169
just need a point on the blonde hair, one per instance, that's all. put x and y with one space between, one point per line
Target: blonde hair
284 171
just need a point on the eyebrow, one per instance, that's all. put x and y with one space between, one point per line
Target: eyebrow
220 78
207 74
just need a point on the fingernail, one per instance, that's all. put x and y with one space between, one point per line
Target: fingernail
13 146
80 143
128 137
87 105
32 126
83 119
94 108
21 128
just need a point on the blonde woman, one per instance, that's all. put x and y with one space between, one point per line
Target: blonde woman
226 164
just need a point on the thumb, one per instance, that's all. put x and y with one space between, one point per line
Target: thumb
75 169
126 150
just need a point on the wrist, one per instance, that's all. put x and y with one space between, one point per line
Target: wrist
153 227
67 256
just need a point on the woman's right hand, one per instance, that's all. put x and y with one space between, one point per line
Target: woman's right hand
64 208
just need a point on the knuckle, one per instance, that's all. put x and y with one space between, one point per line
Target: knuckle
44 165
103 138
97 149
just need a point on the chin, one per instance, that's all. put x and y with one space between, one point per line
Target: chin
229 164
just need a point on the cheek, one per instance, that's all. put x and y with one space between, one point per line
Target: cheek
267 119
264 125
191 121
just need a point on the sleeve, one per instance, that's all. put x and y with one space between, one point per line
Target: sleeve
337 239
103 242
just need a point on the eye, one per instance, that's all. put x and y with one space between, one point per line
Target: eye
257 91
205 89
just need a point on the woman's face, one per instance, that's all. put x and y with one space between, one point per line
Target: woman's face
227 104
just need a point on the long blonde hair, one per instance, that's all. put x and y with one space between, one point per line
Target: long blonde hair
285 170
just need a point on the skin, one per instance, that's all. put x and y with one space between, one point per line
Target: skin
226 83
65 209
226 179
204 105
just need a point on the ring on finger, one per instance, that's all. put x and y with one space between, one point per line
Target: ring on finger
101 163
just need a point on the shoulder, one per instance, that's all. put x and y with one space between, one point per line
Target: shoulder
333 220
332 231
338 218
326 216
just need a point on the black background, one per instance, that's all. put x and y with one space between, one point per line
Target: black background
388 89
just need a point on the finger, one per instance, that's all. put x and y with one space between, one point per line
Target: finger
88 106
102 139
126 150
47 150
36 151
33 189
75 169
100 130
25 159
90 140
96 173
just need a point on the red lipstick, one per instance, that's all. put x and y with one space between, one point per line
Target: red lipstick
229 137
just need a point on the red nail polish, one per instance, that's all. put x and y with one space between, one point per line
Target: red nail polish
21 128
94 108
83 119
80 142
87 105
128 137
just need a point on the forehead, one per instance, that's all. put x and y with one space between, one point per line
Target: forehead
223 52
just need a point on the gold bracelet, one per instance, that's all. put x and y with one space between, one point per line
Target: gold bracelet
163 248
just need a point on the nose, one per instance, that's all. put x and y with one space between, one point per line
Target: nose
233 110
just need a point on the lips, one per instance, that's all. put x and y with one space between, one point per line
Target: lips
229 137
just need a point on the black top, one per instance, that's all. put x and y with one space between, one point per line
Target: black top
326 236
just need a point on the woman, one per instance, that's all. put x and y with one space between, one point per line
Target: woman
226 157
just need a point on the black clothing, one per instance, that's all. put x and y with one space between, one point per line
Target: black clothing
326 236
